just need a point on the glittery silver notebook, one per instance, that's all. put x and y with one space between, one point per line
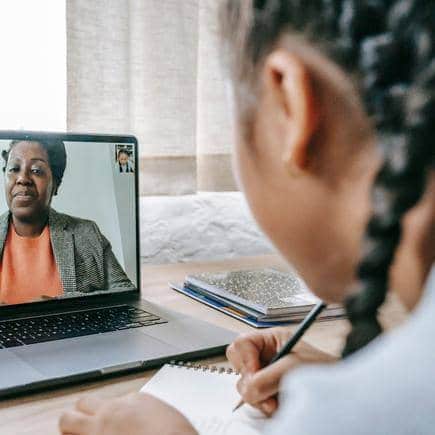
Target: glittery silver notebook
268 291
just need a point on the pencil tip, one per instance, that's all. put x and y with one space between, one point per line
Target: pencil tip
238 406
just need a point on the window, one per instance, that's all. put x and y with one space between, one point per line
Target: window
33 69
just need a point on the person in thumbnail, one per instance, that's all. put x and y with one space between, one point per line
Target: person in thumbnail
123 162
45 253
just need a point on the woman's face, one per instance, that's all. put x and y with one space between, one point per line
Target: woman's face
307 182
29 183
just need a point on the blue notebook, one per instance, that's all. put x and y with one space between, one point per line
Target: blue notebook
245 314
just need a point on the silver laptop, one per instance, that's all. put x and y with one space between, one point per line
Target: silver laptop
70 306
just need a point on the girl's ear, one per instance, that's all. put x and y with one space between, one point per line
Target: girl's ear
287 76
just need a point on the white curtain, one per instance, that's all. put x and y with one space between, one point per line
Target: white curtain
152 68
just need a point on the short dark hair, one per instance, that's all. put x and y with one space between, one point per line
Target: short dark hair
56 152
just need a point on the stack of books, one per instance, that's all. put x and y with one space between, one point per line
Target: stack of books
262 298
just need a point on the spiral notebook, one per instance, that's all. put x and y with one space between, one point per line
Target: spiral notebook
206 396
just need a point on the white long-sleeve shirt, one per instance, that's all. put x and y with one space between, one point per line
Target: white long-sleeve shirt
386 388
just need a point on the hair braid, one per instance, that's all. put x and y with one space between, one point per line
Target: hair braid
406 127
389 45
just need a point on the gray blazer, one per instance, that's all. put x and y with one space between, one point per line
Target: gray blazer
83 255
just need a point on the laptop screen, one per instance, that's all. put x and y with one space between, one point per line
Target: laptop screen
68 216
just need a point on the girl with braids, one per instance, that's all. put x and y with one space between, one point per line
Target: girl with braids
335 153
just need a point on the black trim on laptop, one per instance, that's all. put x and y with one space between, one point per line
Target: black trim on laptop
100 300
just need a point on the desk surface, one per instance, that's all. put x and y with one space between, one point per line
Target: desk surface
38 414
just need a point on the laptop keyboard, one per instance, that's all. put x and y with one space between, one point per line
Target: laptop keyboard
73 324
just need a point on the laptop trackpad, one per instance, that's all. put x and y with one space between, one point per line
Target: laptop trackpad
14 371
94 352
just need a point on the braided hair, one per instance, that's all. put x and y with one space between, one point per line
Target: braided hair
389 45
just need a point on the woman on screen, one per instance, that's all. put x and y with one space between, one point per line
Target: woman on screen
45 253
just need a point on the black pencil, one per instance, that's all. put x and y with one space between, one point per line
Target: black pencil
306 323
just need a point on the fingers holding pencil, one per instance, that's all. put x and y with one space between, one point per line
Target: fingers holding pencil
248 354
260 389
251 352
280 351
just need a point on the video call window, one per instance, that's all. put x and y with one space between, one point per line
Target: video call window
67 219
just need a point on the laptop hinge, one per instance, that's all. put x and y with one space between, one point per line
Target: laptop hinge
60 306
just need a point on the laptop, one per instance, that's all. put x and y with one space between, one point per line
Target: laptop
70 304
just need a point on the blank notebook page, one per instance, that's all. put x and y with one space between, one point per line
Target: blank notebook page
206 398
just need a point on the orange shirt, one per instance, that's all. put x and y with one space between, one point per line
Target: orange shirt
28 269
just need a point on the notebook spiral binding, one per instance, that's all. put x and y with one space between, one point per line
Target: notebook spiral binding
203 367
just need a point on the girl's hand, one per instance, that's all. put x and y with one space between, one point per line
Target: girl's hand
249 353
135 414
